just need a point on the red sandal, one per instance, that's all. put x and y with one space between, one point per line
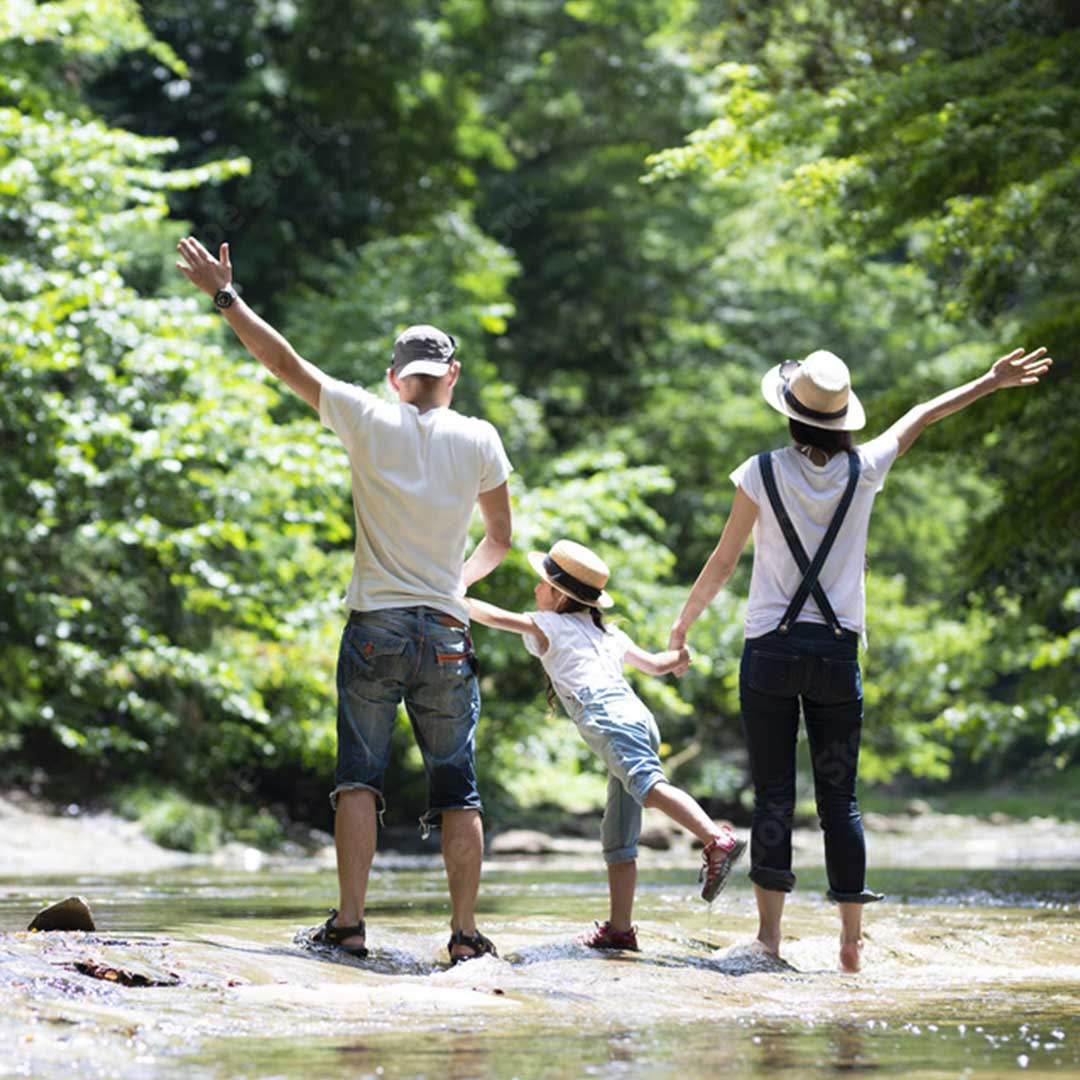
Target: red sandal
604 936
719 856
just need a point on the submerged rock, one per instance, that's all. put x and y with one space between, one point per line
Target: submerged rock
70 914
124 976
523 842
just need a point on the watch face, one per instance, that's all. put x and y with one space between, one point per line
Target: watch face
223 298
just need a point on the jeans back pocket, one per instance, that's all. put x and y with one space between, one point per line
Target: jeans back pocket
837 681
370 655
775 673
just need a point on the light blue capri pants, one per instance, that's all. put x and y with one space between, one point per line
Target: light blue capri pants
618 728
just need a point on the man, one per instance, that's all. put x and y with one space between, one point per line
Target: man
418 469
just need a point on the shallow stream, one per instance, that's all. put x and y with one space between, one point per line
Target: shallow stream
968 972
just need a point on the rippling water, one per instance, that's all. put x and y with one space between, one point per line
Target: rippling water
968 972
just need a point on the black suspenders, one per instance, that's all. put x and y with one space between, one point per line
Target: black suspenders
809 584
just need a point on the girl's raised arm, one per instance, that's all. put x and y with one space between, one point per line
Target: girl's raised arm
1014 369
500 619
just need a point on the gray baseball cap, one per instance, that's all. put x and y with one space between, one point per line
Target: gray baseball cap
423 350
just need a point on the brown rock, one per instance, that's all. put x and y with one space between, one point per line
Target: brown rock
522 842
656 837
70 914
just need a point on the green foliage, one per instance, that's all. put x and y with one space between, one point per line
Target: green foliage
923 165
176 530
174 821
152 504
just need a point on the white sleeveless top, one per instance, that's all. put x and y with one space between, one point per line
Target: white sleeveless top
579 655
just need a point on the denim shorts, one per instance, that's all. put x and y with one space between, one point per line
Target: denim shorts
424 658
621 731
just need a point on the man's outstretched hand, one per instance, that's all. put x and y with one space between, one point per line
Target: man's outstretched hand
201 268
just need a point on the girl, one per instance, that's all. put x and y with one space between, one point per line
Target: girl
806 613
584 663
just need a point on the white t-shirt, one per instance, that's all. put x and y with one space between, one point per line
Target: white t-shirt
579 655
415 480
810 494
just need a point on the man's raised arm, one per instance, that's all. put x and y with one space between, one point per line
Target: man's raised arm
214 277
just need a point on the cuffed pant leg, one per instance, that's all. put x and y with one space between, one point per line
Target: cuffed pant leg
834 732
621 827
770 724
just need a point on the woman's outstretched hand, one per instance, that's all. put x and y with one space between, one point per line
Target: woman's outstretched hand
201 268
1018 369
677 638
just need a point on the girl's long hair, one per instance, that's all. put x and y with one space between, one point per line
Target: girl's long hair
569 606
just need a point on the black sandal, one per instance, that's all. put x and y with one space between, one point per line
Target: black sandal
480 945
329 934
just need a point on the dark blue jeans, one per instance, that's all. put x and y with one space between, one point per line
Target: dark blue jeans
810 665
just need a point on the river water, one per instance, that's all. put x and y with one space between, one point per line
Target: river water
970 971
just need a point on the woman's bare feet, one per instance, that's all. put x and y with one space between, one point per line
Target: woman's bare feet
768 946
851 955
850 936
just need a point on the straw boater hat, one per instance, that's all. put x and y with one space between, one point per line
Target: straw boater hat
815 391
574 570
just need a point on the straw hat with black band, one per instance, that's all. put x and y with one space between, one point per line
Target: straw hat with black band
574 570
815 391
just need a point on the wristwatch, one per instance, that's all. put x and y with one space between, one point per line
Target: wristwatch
224 297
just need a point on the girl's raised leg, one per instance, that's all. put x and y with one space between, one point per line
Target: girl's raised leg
684 810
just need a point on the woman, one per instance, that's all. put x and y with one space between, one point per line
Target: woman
809 508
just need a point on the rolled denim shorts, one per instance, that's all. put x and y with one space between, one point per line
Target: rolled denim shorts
620 730
424 658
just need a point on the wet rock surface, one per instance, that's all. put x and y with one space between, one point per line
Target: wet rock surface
218 977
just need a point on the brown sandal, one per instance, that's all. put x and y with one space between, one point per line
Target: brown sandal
480 945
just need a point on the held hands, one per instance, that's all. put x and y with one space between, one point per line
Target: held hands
1018 369
201 268
683 661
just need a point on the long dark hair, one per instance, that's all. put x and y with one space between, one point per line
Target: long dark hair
569 606
827 440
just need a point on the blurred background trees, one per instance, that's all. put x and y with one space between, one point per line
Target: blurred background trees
626 212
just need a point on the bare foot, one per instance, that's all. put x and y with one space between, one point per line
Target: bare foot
769 948
851 956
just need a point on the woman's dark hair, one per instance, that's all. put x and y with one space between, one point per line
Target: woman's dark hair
568 606
828 440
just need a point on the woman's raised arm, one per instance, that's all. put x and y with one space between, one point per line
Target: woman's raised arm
1014 369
